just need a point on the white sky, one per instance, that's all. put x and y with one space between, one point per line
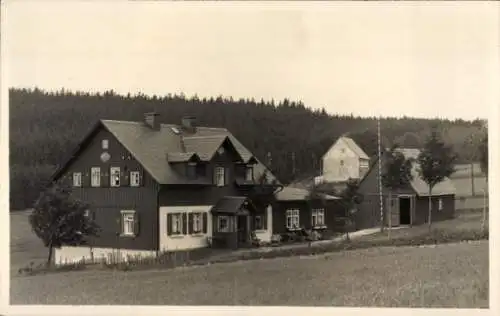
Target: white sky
415 59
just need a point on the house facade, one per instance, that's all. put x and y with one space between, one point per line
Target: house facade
406 206
343 161
156 187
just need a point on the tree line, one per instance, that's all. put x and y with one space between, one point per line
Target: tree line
46 125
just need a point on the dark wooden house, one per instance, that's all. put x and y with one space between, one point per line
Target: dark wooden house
156 187
409 205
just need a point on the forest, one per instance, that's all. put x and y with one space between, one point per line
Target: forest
45 126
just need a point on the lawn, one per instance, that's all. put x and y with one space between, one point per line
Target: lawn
448 275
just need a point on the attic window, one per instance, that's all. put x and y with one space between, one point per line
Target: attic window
249 173
105 144
175 130
191 170
220 151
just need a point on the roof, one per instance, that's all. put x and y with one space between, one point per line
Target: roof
354 147
444 187
153 149
230 205
297 194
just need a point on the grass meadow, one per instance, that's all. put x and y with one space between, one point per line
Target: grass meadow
447 275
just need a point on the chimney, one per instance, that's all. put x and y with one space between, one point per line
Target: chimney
151 120
189 123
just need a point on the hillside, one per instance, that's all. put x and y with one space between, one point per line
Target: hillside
46 126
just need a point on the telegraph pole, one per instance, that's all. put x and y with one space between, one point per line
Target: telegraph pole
380 176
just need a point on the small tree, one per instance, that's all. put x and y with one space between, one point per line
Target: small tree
436 162
350 199
396 175
58 219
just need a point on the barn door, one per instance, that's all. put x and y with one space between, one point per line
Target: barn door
392 211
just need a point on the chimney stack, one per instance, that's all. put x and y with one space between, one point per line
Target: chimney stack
189 123
151 120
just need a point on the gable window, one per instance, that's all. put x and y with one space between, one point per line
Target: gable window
128 223
318 217
197 223
223 224
176 224
191 170
114 176
292 219
249 173
219 176
440 204
259 222
105 144
77 179
95 176
135 178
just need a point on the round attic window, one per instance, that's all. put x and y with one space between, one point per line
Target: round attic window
220 151
105 157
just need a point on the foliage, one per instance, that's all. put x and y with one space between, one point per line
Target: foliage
396 172
45 126
58 219
483 154
436 160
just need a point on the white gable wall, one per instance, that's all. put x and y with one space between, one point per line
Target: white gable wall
334 170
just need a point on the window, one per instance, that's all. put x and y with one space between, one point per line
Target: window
219 176
259 222
115 176
223 224
86 213
341 162
176 224
105 144
292 219
135 178
249 173
191 170
440 204
128 223
318 217
77 179
95 174
197 223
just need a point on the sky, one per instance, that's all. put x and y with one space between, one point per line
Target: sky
391 59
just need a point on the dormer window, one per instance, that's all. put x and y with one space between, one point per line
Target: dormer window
191 170
249 173
220 151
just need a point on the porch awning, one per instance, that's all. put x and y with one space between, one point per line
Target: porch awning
233 205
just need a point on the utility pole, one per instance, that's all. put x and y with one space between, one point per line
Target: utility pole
380 176
293 164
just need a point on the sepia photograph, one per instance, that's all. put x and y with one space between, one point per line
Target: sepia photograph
250 154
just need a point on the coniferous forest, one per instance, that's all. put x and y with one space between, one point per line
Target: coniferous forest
46 126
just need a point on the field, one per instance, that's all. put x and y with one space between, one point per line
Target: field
454 275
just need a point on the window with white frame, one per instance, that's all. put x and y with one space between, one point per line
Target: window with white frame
114 176
440 204
197 223
86 213
95 176
77 179
105 144
223 224
292 219
249 173
128 223
135 178
219 176
176 224
318 217
259 222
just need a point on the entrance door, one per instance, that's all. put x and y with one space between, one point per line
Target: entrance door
393 211
405 210
242 229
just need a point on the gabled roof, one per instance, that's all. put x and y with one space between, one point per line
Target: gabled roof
297 194
153 148
445 187
354 147
351 144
